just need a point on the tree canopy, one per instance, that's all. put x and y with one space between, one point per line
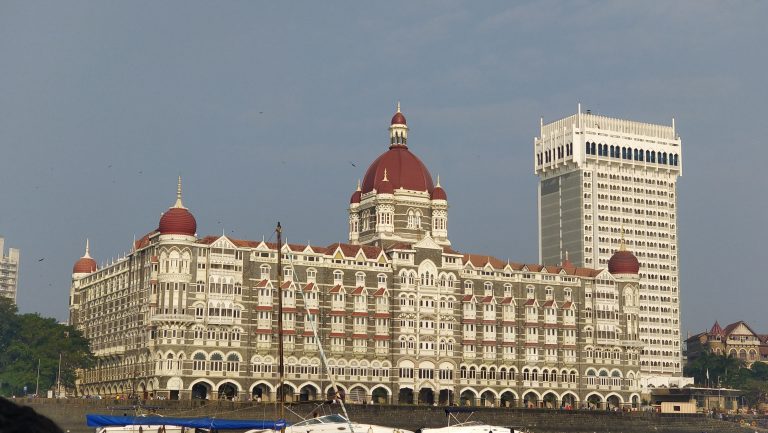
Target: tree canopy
715 370
26 339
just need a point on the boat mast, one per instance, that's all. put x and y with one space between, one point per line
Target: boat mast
280 357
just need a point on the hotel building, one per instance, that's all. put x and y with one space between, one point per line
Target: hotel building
402 315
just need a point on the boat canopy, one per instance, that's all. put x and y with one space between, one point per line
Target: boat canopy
98 420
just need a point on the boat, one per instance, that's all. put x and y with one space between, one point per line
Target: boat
161 424
467 426
334 423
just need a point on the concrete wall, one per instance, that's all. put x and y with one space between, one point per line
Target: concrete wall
70 415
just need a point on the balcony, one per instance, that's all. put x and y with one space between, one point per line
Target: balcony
183 318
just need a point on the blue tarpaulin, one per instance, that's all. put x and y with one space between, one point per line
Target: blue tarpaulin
96 420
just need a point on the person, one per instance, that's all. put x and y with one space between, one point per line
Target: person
22 419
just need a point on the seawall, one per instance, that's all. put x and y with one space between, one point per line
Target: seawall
70 416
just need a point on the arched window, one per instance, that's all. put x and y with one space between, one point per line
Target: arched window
198 361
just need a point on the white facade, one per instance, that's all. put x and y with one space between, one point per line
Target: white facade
9 272
599 177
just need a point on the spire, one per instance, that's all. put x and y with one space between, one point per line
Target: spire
87 249
358 185
178 196
438 181
385 176
398 106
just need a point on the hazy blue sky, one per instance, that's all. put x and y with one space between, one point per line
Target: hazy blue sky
264 107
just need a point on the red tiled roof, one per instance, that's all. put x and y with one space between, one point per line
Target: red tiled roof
337 313
308 287
359 314
380 292
403 170
567 305
336 334
335 289
550 303
261 284
359 291
716 329
263 308
286 285
381 315
530 302
507 301
467 298
263 331
381 337
487 300
360 336
144 241
350 251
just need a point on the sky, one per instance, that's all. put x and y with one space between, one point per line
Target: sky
273 110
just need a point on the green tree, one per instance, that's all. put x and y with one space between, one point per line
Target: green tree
27 339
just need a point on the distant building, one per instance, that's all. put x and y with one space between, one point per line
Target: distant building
9 272
601 179
737 339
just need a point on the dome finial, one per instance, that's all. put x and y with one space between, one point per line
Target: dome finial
87 249
398 106
358 185
178 195
385 176
438 181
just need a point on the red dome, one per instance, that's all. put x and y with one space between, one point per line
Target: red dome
385 187
623 262
398 119
439 193
178 221
355 197
404 170
85 265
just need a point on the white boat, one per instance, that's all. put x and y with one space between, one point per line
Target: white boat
467 426
334 423
471 427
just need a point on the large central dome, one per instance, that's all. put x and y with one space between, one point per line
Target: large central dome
403 169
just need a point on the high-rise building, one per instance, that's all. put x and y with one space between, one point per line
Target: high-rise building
604 179
9 272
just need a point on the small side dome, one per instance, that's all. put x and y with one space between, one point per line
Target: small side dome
178 220
439 193
356 196
85 264
398 119
623 262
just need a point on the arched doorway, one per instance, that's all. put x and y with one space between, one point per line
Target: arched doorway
380 396
287 392
227 391
427 396
358 394
467 398
405 396
531 400
487 399
308 393
550 400
200 391
446 397
507 399
569 401
614 402
635 401
594 401
260 393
